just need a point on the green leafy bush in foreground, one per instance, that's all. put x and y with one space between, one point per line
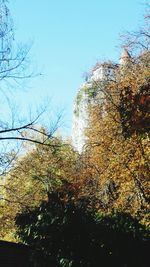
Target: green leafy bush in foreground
68 234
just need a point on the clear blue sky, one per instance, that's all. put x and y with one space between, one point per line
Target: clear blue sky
68 37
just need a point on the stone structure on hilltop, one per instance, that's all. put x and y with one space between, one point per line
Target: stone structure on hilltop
88 93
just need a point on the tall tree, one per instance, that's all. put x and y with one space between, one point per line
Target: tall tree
15 130
118 146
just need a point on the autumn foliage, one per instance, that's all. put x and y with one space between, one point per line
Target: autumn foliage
118 146
73 205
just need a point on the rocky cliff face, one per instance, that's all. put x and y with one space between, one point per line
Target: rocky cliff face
88 93
80 119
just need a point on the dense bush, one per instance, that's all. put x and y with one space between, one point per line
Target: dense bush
64 233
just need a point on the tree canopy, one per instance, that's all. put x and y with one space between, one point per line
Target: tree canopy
67 234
